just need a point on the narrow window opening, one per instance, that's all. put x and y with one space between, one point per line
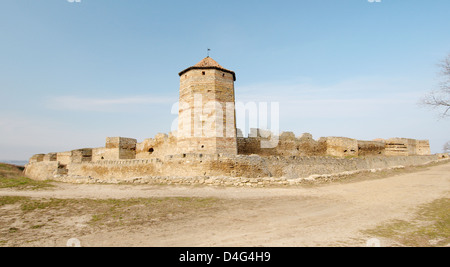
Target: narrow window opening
151 150
203 73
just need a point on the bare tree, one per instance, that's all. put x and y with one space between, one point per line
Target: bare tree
440 99
447 147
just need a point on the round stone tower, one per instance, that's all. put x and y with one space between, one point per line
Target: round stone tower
207 118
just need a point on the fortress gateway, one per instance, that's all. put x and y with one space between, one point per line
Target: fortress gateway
207 147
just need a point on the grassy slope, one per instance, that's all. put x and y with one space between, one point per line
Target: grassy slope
11 176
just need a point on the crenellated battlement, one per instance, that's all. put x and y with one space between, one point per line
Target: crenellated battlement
288 144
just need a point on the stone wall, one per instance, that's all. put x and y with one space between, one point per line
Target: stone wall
115 148
82 155
120 148
64 157
261 155
341 146
37 158
259 142
406 146
305 145
50 157
397 147
160 146
99 154
371 148
423 147
288 144
44 170
74 156
197 167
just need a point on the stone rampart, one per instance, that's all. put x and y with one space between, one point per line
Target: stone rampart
195 168
288 145
160 146
372 148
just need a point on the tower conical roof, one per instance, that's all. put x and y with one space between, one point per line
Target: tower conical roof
208 63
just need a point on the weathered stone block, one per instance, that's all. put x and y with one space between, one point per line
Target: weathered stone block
64 157
341 146
371 148
400 147
98 154
50 157
82 155
120 148
160 146
423 147
37 158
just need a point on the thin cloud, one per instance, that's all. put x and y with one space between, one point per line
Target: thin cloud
75 103
352 98
355 88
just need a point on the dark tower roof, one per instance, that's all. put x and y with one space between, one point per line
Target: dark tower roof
208 63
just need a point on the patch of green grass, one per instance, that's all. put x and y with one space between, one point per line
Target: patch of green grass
9 167
13 230
34 204
5 167
430 227
12 177
10 200
10 170
23 183
38 226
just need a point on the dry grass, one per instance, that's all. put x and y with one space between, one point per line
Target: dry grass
387 173
429 228
24 219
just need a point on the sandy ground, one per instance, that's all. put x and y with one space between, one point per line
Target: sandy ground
328 215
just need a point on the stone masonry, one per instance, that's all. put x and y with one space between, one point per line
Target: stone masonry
207 120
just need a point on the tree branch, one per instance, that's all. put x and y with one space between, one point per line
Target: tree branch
441 98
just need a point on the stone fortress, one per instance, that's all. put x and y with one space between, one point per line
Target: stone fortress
207 148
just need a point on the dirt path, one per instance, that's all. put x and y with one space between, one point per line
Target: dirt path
331 215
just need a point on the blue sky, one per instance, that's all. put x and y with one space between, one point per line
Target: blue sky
72 74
